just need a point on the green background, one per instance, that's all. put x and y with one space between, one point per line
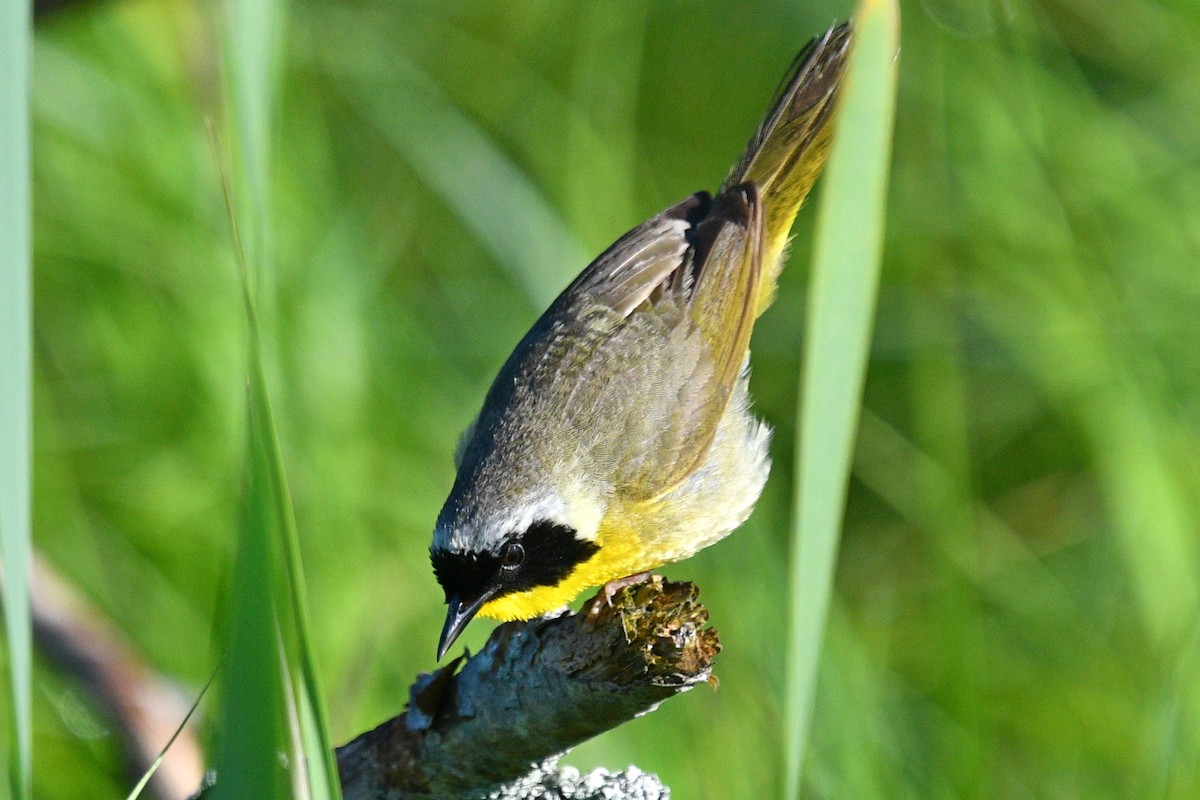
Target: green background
1017 609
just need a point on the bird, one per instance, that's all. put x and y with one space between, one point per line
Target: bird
618 436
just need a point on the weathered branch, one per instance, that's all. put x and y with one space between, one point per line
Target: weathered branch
535 690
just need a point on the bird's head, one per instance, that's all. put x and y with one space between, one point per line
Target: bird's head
517 567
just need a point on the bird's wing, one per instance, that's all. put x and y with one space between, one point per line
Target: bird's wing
633 365
643 260
721 294
685 284
545 374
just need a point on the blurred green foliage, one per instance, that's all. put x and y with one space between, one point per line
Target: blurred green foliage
1017 610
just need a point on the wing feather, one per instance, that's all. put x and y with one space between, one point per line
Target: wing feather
722 303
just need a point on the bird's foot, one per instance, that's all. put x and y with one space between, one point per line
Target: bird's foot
614 586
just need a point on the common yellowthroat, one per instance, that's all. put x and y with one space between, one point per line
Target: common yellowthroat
618 435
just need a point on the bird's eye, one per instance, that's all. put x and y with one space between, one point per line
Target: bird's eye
512 556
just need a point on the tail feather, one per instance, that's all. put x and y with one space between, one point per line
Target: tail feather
788 151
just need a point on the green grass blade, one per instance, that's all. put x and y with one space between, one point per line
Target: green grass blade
253 47
138 788
845 278
16 392
253 718
303 681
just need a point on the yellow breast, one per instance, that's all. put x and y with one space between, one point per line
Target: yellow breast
622 552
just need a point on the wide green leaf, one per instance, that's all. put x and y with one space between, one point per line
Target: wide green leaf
16 393
845 280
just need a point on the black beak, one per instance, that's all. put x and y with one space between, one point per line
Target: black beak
460 613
